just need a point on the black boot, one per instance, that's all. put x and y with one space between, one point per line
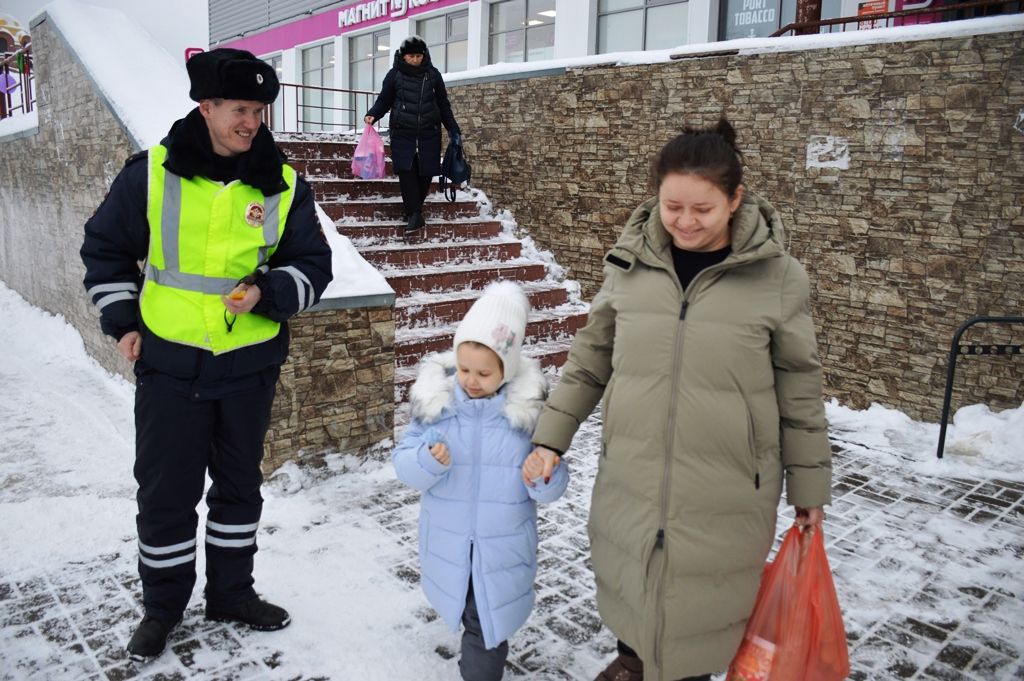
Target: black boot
149 639
257 613
415 222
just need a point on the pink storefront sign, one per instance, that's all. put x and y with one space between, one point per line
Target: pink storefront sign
335 22
926 18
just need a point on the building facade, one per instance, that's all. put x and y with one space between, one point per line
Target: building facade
350 44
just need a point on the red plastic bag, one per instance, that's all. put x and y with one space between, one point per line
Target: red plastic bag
368 160
796 631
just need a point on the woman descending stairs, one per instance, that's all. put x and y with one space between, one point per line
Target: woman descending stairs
438 271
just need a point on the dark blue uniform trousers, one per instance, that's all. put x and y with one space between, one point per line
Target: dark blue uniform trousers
180 435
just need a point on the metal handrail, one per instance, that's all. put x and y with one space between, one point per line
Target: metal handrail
338 110
955 350
814 27
20 97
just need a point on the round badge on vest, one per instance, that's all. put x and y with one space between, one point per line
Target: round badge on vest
254 214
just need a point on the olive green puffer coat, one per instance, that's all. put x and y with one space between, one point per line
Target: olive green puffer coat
712 397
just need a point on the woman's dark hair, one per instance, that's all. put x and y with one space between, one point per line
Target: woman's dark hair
710 153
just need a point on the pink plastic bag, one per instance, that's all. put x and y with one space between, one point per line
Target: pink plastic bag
368 161
796 631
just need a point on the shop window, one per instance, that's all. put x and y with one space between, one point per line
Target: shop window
447 38
317 110
635 25
370 57
522 30
753 18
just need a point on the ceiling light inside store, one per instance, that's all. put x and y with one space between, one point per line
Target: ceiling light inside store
547 13
534 22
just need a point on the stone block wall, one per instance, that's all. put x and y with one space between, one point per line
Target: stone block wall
336 389
898 169
340 397
51 182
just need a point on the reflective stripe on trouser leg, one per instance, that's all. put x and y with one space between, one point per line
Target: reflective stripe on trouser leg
172 443
234 498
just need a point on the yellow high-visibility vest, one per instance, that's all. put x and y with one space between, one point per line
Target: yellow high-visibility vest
204 236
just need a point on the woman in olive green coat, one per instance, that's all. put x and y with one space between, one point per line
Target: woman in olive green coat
701 344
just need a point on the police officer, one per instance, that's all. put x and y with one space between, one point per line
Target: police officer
231 248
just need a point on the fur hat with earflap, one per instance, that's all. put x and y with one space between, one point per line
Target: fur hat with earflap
412 45
228 73
498 320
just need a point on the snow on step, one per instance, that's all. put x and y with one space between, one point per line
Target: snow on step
414 255
382 232
450 306
545 324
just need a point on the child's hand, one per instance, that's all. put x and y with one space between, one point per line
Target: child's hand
440 452
432 436
533 467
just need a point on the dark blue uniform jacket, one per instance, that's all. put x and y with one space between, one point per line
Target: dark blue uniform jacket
117 241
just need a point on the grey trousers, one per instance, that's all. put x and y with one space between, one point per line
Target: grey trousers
478 663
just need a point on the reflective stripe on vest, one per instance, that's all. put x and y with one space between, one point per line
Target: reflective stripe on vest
204 237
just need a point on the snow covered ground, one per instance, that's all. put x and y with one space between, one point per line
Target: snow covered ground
926 554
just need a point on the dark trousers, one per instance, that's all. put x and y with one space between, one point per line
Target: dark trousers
626 650
478 663
178 439
414 186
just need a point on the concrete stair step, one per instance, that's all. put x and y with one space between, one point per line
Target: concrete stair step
548 324
327 169
329 189
318 149
421 255
386 231
459 277
551 354
450 307
390 209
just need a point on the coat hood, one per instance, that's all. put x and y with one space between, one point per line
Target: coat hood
435 391
757 232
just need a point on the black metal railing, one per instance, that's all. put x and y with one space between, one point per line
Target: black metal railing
957 350
312 108
933 14
17 94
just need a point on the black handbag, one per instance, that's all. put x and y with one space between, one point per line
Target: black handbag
455 170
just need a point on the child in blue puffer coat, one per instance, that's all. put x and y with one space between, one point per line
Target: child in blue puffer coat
473 411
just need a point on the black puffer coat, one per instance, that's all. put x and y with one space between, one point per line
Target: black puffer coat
418 102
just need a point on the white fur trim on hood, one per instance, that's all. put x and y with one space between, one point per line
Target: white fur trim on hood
434 391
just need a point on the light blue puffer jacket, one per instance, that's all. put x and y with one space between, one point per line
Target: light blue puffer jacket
478 501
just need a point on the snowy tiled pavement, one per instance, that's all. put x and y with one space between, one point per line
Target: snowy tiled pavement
924 566
927 555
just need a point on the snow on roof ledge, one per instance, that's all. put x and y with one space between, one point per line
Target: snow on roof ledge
147 90
743 46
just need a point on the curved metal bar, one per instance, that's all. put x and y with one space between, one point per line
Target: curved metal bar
954 352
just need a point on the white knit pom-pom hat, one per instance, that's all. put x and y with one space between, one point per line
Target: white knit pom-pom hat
498 320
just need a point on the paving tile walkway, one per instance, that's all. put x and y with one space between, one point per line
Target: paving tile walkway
928 571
